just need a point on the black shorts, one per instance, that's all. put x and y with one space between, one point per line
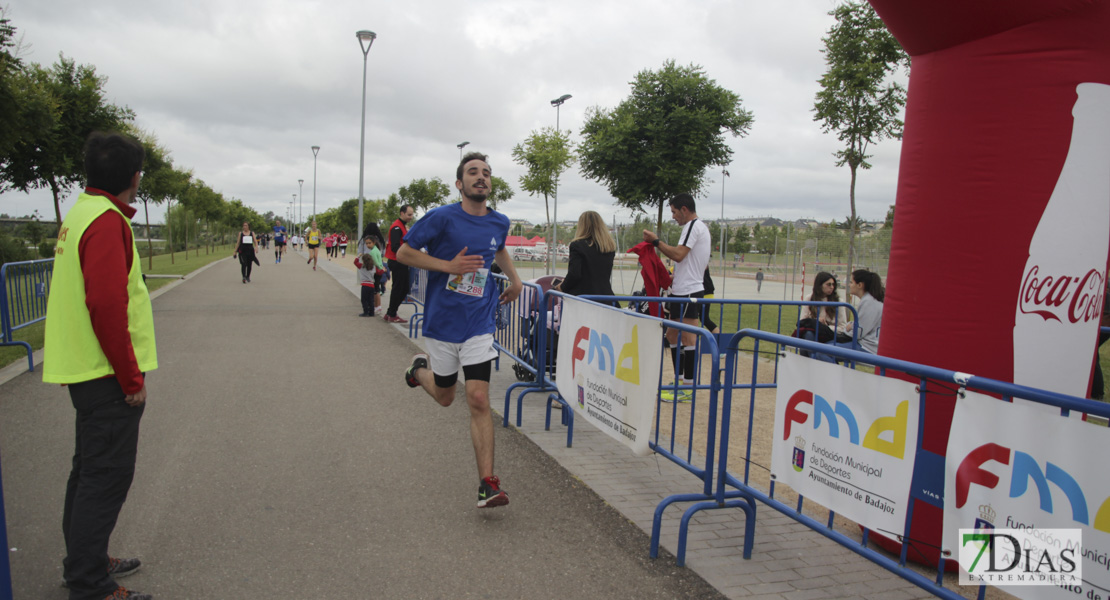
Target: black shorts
685 310
479 372
311 245
279 244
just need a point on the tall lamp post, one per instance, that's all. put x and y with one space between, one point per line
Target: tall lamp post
461 146
300 205
557 103
365 40
315 151
724 232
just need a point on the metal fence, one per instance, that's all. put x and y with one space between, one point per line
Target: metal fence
24 289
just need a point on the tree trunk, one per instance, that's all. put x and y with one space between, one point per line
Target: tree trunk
149 244
186 220
852 223
57 201
550 245
169 229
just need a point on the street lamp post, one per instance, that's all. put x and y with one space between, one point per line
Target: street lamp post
315 151
461 146
724 233
300 205
557 103
365 40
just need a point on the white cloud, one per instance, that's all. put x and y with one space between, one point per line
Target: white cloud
239 91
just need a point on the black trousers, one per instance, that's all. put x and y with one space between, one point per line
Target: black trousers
246 262
107 441
367 298
400 273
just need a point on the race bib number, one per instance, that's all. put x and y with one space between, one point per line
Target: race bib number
470 284
248 239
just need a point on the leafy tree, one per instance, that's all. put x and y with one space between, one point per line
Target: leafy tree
423 194
499 191
889 223
855 101
545 154
159 182
10 67
61 107
659 141
741 240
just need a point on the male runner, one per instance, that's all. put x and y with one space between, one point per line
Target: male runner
691 257
399 270
463 240
279 240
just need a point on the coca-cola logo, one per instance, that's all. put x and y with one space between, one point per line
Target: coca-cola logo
1056 297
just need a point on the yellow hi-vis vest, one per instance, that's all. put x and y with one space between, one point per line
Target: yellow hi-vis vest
72 352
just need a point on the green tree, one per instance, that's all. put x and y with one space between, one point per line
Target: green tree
855 99
159 182
10 67
545 154
499 192
889 223
423 194
659 141
741 240
61 107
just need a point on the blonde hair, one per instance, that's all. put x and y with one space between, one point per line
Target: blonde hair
592 229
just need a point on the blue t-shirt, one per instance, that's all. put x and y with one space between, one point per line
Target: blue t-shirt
279 233
459 307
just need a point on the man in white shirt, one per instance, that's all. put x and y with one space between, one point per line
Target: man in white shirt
691 257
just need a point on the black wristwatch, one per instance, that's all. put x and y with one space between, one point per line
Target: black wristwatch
655 242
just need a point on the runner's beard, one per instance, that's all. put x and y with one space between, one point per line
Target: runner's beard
477 195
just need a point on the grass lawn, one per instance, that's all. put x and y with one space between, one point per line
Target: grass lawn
163 265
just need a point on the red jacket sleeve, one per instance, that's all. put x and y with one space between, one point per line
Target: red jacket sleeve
106 255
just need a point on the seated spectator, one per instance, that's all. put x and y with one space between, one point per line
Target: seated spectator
868 287
822 324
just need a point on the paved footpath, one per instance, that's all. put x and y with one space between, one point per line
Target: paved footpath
282 455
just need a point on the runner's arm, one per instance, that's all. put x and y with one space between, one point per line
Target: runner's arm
461 264
505 261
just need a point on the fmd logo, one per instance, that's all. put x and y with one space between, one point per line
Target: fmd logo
595 347
838 417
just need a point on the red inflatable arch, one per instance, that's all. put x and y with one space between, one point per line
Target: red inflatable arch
1002 219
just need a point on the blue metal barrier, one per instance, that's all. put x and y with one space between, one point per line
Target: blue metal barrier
678 421
418 293
24 288
730 487
522 334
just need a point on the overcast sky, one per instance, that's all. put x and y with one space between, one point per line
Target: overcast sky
240 91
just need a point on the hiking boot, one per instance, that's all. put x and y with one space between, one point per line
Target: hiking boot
490 493
420 361
671 396
123 593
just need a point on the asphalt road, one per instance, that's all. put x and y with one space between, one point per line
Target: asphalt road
282 456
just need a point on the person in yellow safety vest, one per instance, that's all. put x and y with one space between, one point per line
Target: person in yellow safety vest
100 343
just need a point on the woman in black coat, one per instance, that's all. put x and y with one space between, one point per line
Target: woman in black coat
591 258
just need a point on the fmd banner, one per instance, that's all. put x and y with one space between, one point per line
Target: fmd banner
609 369
1010 466
846 440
